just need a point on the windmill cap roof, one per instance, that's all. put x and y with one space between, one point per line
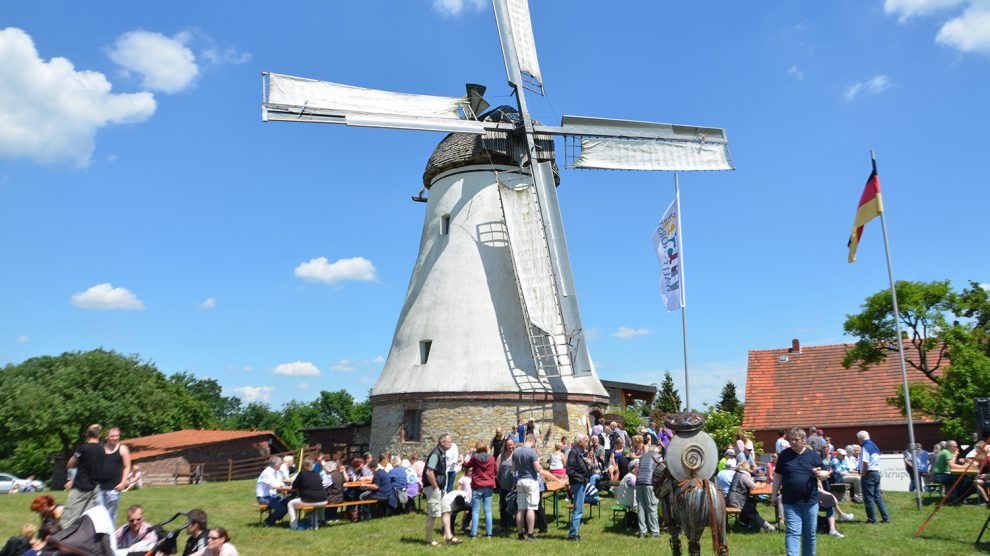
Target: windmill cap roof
495 147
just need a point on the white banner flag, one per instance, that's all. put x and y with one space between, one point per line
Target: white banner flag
667 243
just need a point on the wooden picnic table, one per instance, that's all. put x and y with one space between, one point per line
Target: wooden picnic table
761 488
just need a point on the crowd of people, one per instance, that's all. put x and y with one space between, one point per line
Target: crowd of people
99 470
796 478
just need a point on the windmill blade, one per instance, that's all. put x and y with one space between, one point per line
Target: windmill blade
289 98
610 144
515 31
649 154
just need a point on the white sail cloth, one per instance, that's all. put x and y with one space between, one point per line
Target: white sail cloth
529 253
640 154
522 37
299 91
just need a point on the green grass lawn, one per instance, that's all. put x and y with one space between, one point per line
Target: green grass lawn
952 531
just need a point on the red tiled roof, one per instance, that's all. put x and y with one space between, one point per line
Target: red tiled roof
158 444
812 388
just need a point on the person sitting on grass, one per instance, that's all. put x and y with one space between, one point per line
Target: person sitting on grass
197 531
16 546
309 485
137 534
218 544
50 514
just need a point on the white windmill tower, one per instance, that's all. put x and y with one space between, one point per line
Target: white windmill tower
490 330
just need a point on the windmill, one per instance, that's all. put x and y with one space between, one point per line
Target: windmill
490 332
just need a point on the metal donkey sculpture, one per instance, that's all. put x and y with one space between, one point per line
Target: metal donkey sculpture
689 499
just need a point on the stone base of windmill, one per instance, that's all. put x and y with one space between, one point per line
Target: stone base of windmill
471 420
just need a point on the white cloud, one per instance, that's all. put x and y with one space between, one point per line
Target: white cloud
50 111
454 8
210 303
969 32
297 368
795 72
985 286
592 334
254 393
874 86
219 56
164 63
303 386
23 339
624 332
105 297
376 360
343 366
905 9
322 270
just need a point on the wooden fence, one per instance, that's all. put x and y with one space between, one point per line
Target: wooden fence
250 468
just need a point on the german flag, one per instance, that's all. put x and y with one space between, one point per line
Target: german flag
870 206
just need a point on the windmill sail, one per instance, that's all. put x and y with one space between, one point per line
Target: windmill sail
530 257
644 154
311 93
518 46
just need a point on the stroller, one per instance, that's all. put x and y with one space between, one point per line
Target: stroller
93 535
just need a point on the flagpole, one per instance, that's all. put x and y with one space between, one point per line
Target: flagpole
900 351
680 232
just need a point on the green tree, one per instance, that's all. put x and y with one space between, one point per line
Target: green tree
209 391
728 401
947 340
667 400
723 427
46 402
922 307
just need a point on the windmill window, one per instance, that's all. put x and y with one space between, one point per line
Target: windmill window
412 424
445 224
424 351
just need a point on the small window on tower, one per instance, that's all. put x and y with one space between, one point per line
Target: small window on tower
424 351
411 425
445 224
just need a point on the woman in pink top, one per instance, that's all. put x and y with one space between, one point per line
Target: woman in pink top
481 468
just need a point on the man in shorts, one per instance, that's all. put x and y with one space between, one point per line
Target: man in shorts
526 465
434 479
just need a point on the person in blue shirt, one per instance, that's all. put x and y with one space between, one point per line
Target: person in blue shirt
870 471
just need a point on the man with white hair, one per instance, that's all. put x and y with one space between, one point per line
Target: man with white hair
870 473
268 490
285 470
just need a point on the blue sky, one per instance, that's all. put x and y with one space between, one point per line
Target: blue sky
161 217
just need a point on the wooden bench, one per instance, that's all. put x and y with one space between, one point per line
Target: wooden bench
839 490
619 510
312 509
731 512
262 510
590 514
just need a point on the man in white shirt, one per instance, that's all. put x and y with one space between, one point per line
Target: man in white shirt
453 460
268 490
782 443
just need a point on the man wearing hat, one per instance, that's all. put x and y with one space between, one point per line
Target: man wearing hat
729 454
724 477
841 472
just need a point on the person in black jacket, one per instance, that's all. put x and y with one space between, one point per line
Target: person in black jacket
309 485
20 544
578 475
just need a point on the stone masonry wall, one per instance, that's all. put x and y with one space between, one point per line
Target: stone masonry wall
470 421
